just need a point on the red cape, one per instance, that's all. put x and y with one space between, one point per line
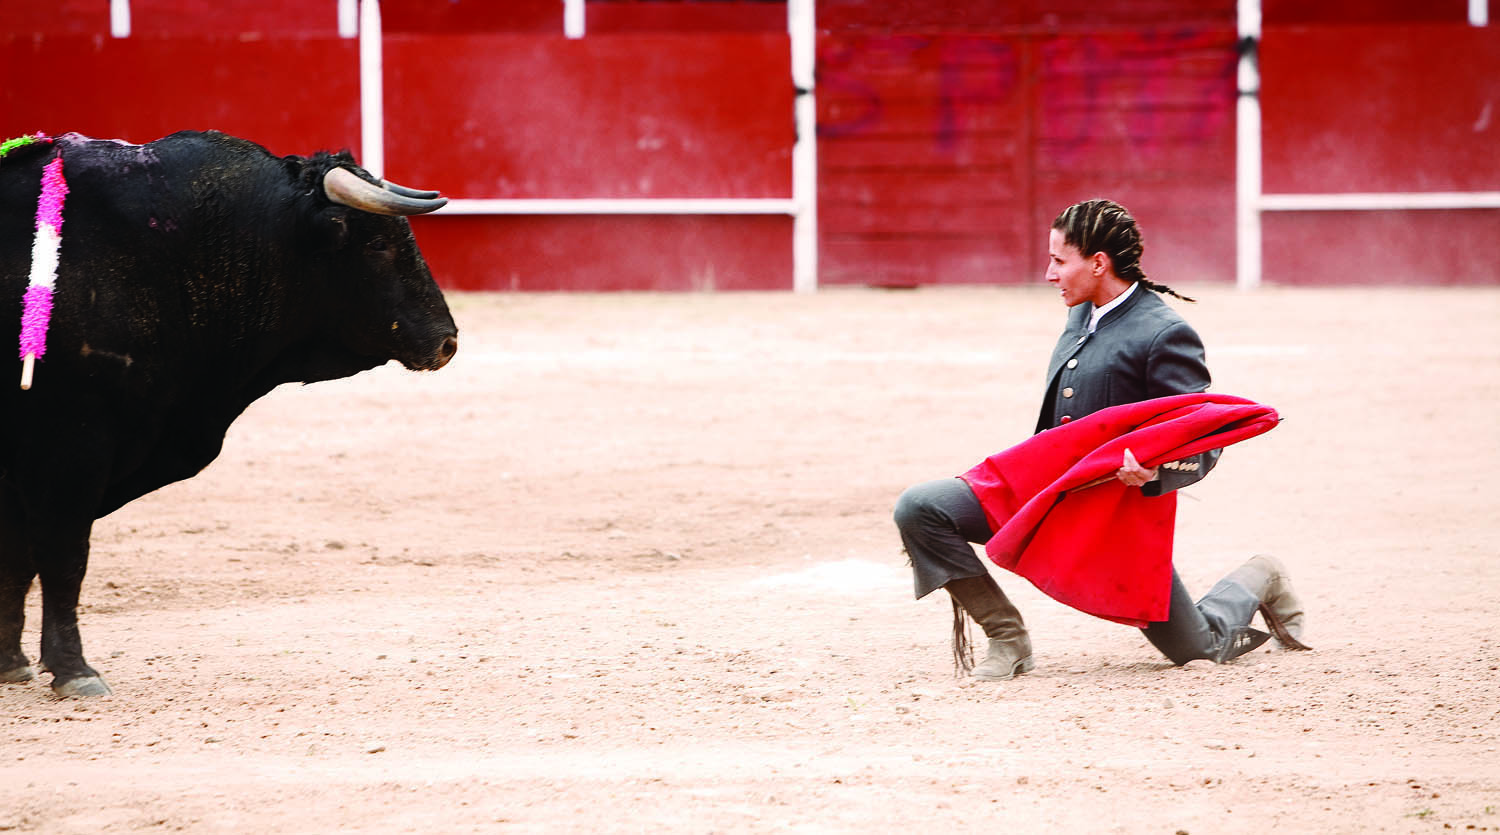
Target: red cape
1106 549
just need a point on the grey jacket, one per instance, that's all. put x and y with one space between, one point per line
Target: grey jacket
1141 350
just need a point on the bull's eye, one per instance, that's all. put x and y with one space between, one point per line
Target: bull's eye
377 244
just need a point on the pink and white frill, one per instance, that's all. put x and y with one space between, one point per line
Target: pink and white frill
36 310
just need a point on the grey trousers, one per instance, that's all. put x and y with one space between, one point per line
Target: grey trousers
941 521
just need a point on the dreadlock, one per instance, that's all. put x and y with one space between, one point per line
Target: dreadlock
1106 226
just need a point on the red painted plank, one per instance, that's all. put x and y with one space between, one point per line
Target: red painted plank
1374 247
618 116
614 16
112 88
602 17
1145 156
993 15
260 19
1413 108
906 220
471 16
1144 116
1303 12
668 253
1000 151
1136 99
894 15
907 113
951 188
55 17
908 262
869 84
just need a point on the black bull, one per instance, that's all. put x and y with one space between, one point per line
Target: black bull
196 273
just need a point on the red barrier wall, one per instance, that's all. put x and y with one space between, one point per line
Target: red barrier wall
947 146
950 133
1337 118
527 116
604 253
274 71
136 88
524 116
1345 12
677 99
482 100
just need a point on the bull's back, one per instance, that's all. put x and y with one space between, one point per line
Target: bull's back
103 392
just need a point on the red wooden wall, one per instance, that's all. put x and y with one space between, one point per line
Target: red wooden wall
1381 107
482 100
948 143
275 72
950 133
689 100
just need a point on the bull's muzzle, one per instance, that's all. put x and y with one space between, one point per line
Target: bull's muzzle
446 352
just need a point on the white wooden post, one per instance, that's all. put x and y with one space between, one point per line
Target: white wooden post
802 26
348 14
574 19
371 90
1247 172
119 18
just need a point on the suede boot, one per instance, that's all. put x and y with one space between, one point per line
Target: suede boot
1228 607
1267 579
1009 653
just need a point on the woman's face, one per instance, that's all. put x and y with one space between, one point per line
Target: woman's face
1070 272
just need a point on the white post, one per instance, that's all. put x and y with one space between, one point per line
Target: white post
371 90
1391 201
1479 12
802 26
119 18
348 13
574 19
1247 173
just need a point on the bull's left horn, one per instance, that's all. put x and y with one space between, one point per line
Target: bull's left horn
345 188
408 192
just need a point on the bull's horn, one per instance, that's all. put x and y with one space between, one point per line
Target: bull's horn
345 188
421 194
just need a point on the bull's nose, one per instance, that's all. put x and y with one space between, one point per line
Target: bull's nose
447 350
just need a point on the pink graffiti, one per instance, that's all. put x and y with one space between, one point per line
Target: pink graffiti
1155 90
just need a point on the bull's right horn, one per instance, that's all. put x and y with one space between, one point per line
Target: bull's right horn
347 189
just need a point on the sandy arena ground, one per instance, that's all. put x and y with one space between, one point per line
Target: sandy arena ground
627 565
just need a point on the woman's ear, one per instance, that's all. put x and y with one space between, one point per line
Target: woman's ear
1102 263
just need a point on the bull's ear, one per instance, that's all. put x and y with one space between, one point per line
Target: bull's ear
329 229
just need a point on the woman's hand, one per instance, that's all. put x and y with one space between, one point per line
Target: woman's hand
1132 473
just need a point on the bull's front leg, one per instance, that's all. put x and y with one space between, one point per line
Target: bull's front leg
15 582
61 558
16 573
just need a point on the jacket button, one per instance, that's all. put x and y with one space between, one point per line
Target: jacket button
1073 363
1064 418
1067 392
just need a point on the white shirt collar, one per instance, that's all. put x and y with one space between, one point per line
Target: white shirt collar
1113 303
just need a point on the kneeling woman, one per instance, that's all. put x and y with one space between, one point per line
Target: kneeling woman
1122 344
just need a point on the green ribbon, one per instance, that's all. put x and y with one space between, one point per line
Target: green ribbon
19 142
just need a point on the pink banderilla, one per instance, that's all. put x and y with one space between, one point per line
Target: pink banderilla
37 305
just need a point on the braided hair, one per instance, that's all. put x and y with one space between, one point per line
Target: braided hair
1106 226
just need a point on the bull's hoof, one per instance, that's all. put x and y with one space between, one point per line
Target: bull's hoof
85 687
18 675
